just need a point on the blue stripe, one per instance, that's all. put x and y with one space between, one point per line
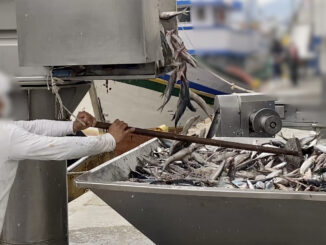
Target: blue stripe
197 86
183 2
220 53
214 27
236 5
182 28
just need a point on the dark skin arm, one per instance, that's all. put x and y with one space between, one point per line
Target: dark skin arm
118 129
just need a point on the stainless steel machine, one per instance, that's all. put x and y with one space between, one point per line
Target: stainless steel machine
247 115
78 41
204 215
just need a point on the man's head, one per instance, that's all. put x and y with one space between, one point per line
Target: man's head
5 87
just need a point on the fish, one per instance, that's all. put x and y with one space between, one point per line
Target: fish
178 145
269 185
245 174
176 41
198 158
250 185
277 143
281 165
260 185
169 88
219 171
274 174
198 165
167 50
269 164
179 155
188 58
214 125
189 123
183 102
320 148
168 36
173 14
241 158
279 180
200 101
282 187
307 164
307 140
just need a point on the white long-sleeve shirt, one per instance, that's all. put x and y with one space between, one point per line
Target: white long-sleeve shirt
41 140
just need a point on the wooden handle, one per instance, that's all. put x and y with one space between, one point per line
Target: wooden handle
204 141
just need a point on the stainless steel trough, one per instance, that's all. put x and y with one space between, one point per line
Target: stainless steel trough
194 215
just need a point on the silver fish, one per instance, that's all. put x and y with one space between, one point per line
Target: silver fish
307 164
169 88
245 174
172 14
269 185
307 140
198 158
279 180
274 174
292 174
260 185
166 48
269 164
178 145
250 185
214 125
281 165
241 158
200 101
219 171
320 148
180 155
260 177
282 187
188 58
189 123
183 102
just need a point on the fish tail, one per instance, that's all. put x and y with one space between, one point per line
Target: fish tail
160 109
191 107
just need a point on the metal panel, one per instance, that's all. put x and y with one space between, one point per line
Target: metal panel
9 59
195 215
7 15
83 32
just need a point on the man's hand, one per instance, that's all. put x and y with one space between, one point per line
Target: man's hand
84 121
119 130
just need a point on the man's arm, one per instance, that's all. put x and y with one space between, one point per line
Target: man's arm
58 128
25 145
47 127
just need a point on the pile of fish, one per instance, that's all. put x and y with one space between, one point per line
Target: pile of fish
176 163
174 46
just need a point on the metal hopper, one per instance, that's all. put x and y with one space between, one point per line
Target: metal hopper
194 215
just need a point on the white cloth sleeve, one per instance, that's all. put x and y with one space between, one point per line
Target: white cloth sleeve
27 146
47 127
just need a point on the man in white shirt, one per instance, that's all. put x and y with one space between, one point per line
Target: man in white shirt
45 140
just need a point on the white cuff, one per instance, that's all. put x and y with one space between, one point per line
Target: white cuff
111 143
70 127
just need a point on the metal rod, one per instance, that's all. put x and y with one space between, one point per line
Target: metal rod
204 141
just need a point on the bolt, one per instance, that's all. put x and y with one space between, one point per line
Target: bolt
273 125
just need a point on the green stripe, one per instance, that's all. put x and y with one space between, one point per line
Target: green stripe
160 88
